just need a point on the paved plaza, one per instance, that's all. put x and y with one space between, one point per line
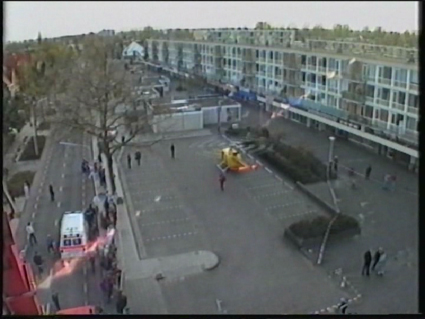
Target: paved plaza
178 208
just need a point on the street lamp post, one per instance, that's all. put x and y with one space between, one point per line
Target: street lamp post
331 150
35 126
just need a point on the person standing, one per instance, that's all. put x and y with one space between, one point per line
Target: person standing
52 193
368 171
121 302
336 164
55 299
27 190
222 180
393 182
122 139
31 234
376 257
38 261
380 263
129 161
138 157
50 244
366 263
342 306
92 260
173 149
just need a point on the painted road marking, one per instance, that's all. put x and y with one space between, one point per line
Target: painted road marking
40 190
56 222
33 215
59 204
271 194
166 222
285 205
138 213
42 183
35 206
85 288
170 236
61 189
63 175
259 163
64 165
278 178
37 198
268 170
297 215
288 185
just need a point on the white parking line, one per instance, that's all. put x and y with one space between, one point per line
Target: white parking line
37 198
61 189
268 170
35 206
285 205
161 209
59 204
264 186
33 215
271 194
40 190
56 222
166 222
63 176
296 215
64 165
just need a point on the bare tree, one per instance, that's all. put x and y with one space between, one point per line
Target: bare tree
100 100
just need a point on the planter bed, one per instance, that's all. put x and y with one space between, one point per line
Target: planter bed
29 153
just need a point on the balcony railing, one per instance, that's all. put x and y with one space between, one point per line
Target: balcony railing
311 67
380 124
370 99
400 84
322 69
384 81
351 96
333 89
278 61
383 102
412 110
398 106
413 87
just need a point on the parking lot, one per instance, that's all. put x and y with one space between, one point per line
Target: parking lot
179 207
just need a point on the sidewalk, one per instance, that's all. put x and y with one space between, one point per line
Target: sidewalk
388 219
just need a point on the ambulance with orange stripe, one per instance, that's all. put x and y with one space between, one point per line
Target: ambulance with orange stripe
73 235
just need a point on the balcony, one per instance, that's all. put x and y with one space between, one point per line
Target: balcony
311 67
322 69
400 84
412 110
261 73
321 87
380 124
370 100
279 61
383 102
332 89
351 96
413 87
359 119
397 106
384 81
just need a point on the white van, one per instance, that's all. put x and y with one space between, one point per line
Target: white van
73 235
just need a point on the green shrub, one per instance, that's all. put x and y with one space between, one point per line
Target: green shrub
316 227
29 152
16 183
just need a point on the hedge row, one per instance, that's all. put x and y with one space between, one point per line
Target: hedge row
316 227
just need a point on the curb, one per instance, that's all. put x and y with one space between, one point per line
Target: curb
332 309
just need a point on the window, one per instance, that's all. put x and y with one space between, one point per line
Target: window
303 59
303 76
67 242
271 55
385 72
385 94
368 111
383 115
370 90
401 98
76 241
414 77
313 61
257 54
411 123
413 101
401 75
323 80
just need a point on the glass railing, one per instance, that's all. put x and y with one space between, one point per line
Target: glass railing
398 106
383 102
413 87
353 96
384 81
400 84
412 110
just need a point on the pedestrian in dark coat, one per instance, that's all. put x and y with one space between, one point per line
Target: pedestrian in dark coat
121 302
368 171
138 157
366 263
222 180
173 149
52 193
38 261
376 258
129 160
336 164
55 299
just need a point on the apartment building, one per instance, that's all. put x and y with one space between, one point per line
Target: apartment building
372 87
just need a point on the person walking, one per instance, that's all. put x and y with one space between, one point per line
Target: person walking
138 157
50 243
121 302
380 263
368 171
342 306
386 184
52 193
366 263
92 260
38 261
172 149
27 190
122 139
222 180
129 161
55 299
31 234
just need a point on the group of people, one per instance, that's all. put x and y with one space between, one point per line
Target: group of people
138 156
374 263
96 169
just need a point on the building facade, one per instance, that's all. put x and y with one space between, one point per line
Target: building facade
372 86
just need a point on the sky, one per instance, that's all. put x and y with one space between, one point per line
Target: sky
23 20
